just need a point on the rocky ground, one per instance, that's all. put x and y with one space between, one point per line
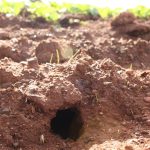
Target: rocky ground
81 87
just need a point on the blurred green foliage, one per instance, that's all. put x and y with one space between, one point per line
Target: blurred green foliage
11 7
53 10
141 11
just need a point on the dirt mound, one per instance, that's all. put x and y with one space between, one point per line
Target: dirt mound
127 23
124 18
74 88
75 19
8 51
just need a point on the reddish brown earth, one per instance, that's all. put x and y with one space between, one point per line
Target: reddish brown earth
100 69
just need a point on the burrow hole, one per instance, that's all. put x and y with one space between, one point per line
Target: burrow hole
67 123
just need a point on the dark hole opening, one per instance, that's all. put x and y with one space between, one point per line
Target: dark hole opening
68 123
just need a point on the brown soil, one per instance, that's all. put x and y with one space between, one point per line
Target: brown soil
84 87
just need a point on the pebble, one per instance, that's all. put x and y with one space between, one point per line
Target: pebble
148 121
144 132
129 148
147 99
15 144
5 111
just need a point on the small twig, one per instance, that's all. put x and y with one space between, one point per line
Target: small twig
51 58
77 52
58 56
42 139
131 67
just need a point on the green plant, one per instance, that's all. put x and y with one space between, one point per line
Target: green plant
47 11
11 7
141 11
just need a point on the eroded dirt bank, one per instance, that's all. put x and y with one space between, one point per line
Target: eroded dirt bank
93 78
